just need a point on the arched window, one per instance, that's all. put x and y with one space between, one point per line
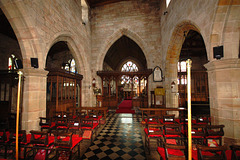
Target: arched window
70 66
11 60
129 67
182 69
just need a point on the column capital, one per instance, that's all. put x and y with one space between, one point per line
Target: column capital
34 72
233 63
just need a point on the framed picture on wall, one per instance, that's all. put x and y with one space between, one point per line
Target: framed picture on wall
157 74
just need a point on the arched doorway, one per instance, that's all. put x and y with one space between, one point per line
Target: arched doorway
125 73
194 48
63 82
10 62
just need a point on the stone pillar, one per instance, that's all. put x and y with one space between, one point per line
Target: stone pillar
224 92
34 98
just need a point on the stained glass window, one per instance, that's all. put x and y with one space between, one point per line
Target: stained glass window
129 67
70 66
182 67
11 60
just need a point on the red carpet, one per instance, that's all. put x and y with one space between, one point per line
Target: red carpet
125 107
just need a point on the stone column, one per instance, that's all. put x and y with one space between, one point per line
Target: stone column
224 92
34 98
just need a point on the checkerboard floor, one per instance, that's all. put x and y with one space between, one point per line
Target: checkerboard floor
120 139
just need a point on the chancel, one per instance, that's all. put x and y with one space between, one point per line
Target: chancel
119 79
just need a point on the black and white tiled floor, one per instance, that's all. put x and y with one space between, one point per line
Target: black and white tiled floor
120 139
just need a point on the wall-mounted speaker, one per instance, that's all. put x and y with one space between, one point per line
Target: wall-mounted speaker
34 62
18 64
218 52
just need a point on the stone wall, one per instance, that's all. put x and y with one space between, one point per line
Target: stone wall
38 25
138 20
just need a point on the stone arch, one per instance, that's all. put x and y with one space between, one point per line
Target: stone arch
226 28
30 46
80 59
114 37
173 53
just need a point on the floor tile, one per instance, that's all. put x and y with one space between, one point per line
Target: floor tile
120 139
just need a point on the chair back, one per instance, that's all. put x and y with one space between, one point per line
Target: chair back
39 138
215 130
22 136
63 139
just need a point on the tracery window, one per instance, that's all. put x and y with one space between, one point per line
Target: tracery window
129 67
11 60
70 66
182 69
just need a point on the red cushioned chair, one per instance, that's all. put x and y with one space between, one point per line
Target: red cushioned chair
210 153
41 144
152 119
198 134
172 130
61 124
81 114
89 124
172 148
152 131
66 142
45 123
168 119
11 144
215 132
3 142
203 119
74 125
235 152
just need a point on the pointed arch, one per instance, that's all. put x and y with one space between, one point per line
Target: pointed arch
114 37
30 46
80 59
175 45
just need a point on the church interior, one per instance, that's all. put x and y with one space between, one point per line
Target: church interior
120 79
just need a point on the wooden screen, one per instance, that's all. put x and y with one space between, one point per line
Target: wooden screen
63 91
199 87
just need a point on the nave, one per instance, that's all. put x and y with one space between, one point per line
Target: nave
121 138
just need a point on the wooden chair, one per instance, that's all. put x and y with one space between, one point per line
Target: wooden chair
172 148
210 153
214 132
61 124
89 125
198 134
45 123
152 131
74 126
172 130
66 142
40 142
11 144
168 119
203 119
3 142
152 119
235 152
